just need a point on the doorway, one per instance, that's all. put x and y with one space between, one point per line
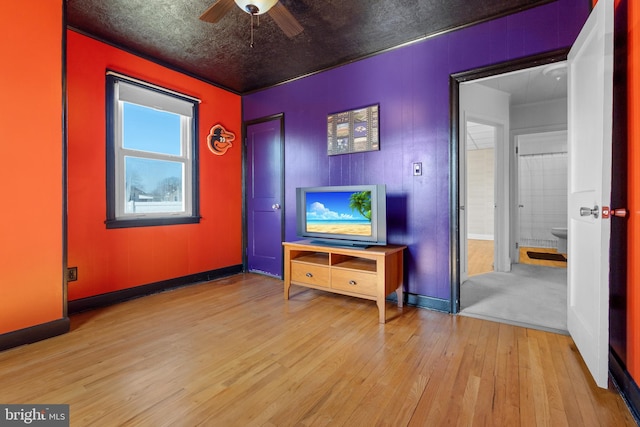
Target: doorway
479 171
541 195
526 98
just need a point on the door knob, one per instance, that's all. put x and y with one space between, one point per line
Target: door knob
620 212
275 206
588 211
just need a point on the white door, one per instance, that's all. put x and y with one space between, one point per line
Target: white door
590 99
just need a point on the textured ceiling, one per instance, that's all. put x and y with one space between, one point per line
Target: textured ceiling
335 32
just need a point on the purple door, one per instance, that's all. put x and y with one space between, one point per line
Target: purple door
264 195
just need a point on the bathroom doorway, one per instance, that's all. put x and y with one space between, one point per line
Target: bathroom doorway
541 214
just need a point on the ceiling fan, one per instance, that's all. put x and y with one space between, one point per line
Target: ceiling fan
277 11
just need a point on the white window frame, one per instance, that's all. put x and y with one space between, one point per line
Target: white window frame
122 89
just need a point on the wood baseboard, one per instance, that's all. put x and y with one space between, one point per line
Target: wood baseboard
421 301
625 384
34 333
115 297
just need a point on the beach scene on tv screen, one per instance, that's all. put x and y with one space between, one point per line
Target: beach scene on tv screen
339 212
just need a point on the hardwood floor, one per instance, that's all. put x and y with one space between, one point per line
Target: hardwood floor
480 256
233 352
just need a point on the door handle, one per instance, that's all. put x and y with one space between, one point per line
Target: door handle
275 206
588 211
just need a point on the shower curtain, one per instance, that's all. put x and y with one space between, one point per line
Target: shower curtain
542 188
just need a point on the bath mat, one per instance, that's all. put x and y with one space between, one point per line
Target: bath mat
546 256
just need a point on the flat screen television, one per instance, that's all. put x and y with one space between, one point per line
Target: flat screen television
352 215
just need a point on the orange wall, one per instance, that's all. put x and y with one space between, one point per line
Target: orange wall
114 259
31 256
633 269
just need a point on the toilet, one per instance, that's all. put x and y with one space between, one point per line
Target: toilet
561 234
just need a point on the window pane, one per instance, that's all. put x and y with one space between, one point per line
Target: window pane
151 130
153 186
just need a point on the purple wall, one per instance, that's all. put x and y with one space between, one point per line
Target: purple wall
411 84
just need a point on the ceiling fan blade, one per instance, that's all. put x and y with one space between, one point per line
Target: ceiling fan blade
285 20
217 10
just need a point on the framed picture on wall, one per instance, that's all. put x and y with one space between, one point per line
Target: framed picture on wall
353 131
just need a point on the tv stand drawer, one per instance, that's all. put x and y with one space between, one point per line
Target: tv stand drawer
316 275
354 281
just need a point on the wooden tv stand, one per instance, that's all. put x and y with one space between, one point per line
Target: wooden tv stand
371 273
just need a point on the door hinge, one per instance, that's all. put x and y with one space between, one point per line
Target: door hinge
517 245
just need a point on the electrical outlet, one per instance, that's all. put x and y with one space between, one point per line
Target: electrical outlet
72 274
417 169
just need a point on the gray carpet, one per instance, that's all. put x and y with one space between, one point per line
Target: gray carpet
529 296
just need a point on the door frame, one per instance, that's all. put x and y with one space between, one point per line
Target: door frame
245 164
454 149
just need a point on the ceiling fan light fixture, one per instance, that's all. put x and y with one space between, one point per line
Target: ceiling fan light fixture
256 7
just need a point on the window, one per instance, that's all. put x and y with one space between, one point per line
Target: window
151 152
